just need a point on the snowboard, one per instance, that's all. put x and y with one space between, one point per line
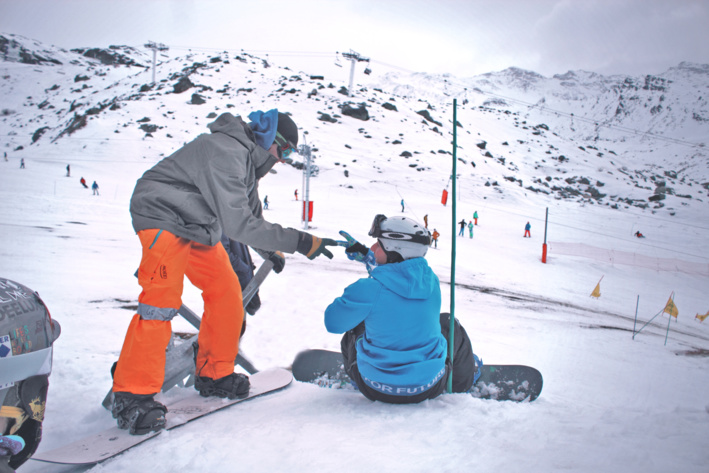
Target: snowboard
498 382
109 443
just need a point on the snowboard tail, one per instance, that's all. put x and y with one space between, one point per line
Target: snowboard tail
508 383
109 443
322 367
498 382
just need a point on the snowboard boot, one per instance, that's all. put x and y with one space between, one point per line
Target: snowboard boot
234 386
139 413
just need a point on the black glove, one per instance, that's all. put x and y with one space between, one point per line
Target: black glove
312 246
278 261
356 248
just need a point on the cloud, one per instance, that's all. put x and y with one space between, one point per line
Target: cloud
631 37
463 37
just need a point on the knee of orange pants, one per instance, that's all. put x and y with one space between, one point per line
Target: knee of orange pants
220 329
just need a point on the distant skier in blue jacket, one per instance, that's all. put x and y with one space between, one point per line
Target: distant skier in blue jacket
394 345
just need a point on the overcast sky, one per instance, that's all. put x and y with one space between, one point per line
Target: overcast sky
461 37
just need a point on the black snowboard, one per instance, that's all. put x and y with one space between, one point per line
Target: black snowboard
499 382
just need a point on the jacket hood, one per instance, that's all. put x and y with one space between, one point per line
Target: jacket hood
412 279
236 128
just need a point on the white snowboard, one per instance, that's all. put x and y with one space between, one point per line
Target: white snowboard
111 442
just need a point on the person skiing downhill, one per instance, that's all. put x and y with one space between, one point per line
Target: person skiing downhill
180 208
435 238
394 344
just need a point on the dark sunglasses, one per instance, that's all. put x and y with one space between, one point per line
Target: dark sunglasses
285 147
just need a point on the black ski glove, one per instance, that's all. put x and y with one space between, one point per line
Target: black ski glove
356 248
279 262
312 246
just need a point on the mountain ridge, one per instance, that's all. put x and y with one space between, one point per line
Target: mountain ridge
518 131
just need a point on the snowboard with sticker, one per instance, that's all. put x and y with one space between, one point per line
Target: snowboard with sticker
517 383
109 443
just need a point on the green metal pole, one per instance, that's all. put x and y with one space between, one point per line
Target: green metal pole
453 235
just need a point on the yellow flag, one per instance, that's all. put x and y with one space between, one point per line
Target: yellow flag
702 317
671 308
597 291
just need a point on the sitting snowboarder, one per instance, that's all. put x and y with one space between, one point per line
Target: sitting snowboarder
394 345
639 235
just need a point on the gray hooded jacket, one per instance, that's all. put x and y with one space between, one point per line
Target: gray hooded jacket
208 186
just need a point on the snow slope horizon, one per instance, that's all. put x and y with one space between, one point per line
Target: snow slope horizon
609 402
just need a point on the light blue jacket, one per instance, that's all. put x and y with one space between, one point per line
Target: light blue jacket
400 305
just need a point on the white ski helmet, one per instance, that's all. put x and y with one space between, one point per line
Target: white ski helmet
401 235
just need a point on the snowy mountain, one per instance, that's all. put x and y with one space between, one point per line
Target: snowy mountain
648 134
607 156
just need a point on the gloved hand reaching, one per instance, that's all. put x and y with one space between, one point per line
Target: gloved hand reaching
312 246
278 261
356 251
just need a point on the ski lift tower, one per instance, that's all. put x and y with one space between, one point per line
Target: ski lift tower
353 57
155 47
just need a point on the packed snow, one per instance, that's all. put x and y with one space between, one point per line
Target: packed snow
610 402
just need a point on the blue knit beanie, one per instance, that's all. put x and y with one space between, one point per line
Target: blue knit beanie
264 126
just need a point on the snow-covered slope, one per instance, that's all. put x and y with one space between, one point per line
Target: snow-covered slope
610 403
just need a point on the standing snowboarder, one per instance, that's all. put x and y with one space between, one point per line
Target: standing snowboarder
180 209
475 217
435 238
94 187
394 344
68 170
527 229
83 182
296 194
462 224
470 229
265 203
425 221
402 205
22 163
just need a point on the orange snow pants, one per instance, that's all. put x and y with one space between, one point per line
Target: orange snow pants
166 260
